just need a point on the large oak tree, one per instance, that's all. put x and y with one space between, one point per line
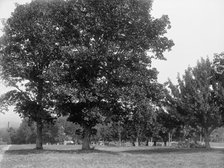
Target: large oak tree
84 54
112 44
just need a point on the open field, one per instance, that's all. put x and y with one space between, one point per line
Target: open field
53 156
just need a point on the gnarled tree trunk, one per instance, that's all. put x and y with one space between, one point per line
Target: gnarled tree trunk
207 139
86 138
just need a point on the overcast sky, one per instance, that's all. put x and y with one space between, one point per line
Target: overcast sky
197 31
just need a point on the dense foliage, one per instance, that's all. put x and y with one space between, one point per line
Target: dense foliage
91 59
107 65
29 44
198 99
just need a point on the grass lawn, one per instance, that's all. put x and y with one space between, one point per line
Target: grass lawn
1 146
1 149
217 145
24 156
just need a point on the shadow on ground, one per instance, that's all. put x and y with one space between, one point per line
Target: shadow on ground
172 150
51 151
146 151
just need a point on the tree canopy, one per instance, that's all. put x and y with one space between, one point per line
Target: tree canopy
110 58
198 99
85 57
28 46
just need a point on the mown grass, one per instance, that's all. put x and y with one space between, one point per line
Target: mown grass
2 146
24 156
1 149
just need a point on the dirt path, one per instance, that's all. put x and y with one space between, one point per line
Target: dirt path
2 150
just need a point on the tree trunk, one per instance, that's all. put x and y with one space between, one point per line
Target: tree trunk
39 141
86 138
39 124
137 141
147 142
119 133
133 141
119 137
207 145
200 139
154 143
170 138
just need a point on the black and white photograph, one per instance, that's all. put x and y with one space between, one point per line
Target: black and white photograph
111 83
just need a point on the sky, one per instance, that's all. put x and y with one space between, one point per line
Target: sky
197 29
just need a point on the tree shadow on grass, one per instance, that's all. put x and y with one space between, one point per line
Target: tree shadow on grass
55 151
171 150
145 151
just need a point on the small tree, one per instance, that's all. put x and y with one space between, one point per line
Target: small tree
198 99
